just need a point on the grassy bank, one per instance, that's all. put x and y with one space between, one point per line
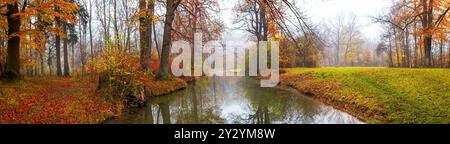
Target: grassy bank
64 100
378 95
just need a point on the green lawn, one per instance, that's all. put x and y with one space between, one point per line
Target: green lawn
379 95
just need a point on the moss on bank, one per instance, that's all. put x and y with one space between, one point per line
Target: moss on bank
378 95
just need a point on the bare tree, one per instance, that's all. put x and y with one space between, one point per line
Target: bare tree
171 6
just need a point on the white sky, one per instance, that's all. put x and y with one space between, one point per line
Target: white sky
321 11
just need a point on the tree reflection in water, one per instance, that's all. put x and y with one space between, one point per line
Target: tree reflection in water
233 100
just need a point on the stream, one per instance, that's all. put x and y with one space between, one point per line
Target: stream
234 100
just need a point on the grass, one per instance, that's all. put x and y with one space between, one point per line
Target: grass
379 95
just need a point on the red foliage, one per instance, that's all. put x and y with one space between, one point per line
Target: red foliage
58 101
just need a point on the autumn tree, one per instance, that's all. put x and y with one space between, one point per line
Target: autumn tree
171 7
427 21
13 50
21 34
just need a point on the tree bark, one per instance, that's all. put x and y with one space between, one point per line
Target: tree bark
156 42
407 49
66 52
427 23
416 48
167 39
144 39
13 49
58 52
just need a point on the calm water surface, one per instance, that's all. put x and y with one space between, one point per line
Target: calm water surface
234 101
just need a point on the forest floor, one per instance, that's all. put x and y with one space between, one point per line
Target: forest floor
54 100
378 95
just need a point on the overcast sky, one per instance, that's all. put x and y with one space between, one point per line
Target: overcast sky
321 11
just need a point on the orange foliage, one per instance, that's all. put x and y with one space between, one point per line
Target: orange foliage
439 28
37 18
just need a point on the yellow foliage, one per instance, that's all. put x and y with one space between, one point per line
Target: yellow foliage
37 18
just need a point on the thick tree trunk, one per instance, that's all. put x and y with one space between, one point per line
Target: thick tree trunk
50 62
167 39
264 24
58 53
66 53
13 49
427 24
144 39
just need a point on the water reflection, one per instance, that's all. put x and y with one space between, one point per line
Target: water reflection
233 100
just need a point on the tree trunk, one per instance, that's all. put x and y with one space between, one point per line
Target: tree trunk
13 49
58 52
49 61
427 24
144 39
165 111
428 42
416 48
167 38
41 56
66 52
82 49
116 27
441 54
90 29
73 56
448 58
407 51
156 42
391 61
